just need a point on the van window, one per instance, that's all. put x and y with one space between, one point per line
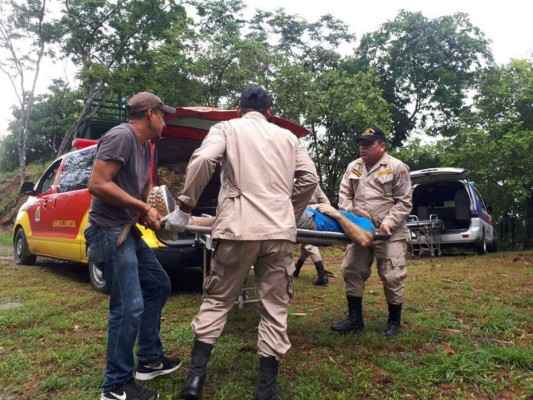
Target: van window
76 171
480 204
47 180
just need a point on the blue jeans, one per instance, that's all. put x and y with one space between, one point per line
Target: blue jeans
139 288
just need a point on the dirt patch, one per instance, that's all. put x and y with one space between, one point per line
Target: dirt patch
12 200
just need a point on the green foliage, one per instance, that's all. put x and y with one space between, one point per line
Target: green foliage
419 156
6 239
27 32
413 72
226 65
52 115
496 142
505 97
426 67
340 105
8 153
104 38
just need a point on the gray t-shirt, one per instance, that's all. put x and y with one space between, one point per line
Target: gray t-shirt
120 144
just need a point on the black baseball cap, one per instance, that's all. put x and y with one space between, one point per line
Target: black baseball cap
145 101
254 97
371 134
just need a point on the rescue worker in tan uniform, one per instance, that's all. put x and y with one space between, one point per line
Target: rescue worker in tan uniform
266 182
306 250
379 184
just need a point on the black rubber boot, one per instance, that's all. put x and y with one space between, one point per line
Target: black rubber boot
192 388
266 388
298 266
322 279
354 323
330 274
394 325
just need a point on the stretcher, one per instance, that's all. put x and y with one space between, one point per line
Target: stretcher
203 240
424 235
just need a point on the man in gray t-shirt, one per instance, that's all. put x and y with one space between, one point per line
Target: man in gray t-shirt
120 145
138 285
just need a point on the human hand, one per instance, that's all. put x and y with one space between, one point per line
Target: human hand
361 212
328 210
152 219
384 229
176 220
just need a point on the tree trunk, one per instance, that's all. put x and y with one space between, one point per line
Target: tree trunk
528 237
86 113
22 151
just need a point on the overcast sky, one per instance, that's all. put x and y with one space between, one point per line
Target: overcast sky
507 24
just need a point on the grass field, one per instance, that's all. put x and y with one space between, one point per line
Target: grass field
468 334
6 239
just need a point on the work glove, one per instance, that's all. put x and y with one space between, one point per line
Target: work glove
176 220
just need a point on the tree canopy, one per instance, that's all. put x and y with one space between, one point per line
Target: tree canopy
413 74
426 67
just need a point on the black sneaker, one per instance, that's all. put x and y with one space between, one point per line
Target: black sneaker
130 391
393 328
165 366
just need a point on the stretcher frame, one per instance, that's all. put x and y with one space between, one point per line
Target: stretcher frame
426 233
204 241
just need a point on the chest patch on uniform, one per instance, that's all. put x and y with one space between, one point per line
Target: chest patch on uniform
384 172
356 172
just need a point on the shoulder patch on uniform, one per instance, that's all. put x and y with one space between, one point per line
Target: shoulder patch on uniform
385 172
356 172
359 161
404 176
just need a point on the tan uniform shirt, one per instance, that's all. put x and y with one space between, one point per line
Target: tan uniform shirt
385 191
266 179
318 197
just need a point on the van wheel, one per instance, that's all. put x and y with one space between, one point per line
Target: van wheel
97 278
21 250
481 247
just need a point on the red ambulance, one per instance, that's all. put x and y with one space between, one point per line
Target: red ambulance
52 220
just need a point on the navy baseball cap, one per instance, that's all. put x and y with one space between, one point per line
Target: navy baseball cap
254 97
371 134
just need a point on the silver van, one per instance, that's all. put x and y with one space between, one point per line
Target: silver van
448 211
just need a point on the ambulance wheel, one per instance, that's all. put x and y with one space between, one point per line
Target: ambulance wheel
21 250
96 275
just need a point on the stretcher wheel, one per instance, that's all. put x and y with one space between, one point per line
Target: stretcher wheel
240 300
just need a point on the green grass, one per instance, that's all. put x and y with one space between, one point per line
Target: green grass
6 239
468 334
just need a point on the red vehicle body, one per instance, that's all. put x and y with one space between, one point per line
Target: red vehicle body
52 220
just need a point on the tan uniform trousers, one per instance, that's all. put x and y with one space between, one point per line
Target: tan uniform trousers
273 268
307 250
390 260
